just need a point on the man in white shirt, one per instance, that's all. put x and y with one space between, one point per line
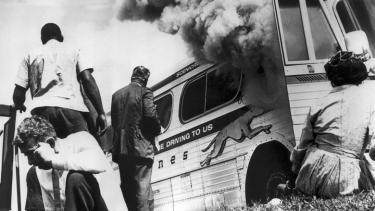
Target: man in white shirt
64 179
52 73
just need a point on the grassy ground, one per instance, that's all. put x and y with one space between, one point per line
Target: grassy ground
361 201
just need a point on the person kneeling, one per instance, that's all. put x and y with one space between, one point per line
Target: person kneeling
63 164
329 158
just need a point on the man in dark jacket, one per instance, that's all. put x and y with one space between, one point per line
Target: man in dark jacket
135 124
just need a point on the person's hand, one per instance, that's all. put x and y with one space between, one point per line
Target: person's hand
101 123
296 157
372 153
370 65
21 108
296 167
44 155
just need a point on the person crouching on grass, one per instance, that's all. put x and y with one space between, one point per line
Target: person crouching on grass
64 179
329 158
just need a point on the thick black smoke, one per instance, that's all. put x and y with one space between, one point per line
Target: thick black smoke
242 33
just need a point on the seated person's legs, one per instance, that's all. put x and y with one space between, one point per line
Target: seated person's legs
34 199
82 192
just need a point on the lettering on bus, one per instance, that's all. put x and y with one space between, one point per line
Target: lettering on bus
187 69
191 134
200 131
173 159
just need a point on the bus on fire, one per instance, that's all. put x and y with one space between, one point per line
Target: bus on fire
227 134
220 148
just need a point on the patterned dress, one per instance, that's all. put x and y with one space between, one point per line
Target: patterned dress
336 134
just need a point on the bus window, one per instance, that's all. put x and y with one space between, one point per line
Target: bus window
209 91
221 88
193 100
164 109
322 35
358 15
344 15
294 35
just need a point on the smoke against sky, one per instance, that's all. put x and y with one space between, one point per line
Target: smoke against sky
241 32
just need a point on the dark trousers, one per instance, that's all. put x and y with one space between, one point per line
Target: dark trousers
135 174
65 121
83 193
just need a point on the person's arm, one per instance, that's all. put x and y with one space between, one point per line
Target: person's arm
21 85
115 124
84 154
371 134
92 91
19 95
150 113
87 156
114 113
306 140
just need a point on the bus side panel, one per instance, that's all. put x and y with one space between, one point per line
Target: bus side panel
210 188
301 97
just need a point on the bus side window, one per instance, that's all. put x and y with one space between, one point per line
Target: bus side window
221 88
209 91
194 98
164 109
294 35
322 35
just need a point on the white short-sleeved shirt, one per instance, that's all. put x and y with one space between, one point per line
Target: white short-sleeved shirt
57 83
81 152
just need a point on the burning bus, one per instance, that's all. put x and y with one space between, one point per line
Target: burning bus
229 125
229 129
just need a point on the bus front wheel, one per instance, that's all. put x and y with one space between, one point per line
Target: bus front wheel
263 177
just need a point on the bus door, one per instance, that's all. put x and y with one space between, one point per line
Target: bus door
308 38
8 119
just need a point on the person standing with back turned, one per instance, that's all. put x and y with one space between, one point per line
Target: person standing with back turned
135 123
52 73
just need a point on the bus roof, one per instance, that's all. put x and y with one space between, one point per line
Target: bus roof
178 74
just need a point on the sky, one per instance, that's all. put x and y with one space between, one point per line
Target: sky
115 46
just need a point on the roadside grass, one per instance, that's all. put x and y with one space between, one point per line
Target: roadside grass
296 201
360 201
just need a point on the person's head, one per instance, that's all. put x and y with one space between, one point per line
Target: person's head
51 31
346 68
140 75
31 132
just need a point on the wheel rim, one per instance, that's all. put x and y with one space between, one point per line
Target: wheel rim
273 181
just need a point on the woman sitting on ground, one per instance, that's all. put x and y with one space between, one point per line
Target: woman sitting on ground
329 159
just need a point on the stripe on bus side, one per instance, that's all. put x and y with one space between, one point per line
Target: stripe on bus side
200 131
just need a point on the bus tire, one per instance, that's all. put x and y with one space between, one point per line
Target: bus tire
263 178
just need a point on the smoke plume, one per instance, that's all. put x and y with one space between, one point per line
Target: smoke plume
242 33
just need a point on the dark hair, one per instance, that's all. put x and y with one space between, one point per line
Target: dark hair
51 31
34 127
346 68
140 75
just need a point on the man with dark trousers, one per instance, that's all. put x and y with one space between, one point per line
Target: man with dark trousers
135 124
64 178
53 73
